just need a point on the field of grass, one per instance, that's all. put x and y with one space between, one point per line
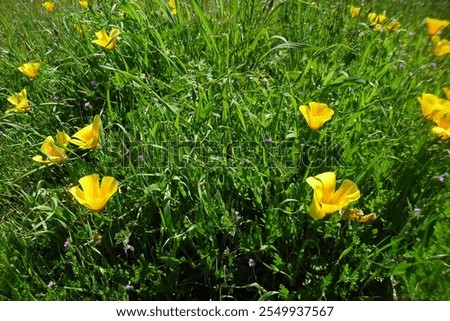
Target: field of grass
201 128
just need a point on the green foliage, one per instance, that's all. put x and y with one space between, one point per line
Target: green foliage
201 129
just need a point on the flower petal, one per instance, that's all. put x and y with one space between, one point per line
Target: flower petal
90 186
348 192
108 187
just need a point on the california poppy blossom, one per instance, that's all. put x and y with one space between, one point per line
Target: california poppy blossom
20 103
88 137
433 107
442 128
49 6
393 25
84 4
316 114
441 46
105 40
54 151
447 93
354 11
434 26
30 69
326 199
93 194
376 18
172 7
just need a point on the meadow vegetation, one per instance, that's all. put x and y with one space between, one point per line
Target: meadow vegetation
201 129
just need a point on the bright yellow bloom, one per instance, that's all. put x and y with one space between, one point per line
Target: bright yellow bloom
435 25
108 42
441 46
433 107
20 102
326 200
50 6
172 7
447 93
376 18
354 11
30 69
94 195
377 27
442 128
88 137
84 4
393 25
81 29
355 214
54 152
316 114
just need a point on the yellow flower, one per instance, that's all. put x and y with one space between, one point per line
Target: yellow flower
326 200
108 42
393 25
442 128
55 153
355 214
354 11
49 5
88 137
84 4
434 26
81 29
376 18
172 7
20 102
447 93
377 27
30 69
433 107
441 46
94 195
316 114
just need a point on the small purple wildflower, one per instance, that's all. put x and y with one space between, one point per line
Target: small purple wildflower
129 248
433 65
448 150
128 287
417 210
268 140
237 214
401 65
442 177
55 98
251 263
93 83
50 284
87 104
141 157
66 244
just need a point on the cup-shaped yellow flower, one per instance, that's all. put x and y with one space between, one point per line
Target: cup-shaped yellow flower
20 103
30 69
434 26
393 25
442 128
84 4
376 18
316 114
441 46
105 40
326 199
354 11
93 194
54 151
48 5
433 107
172 7
88 137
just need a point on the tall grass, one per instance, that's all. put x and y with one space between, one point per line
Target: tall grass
201 129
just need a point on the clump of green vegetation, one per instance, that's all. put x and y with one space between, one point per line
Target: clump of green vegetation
202 131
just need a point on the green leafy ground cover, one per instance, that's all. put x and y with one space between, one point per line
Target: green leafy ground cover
201 129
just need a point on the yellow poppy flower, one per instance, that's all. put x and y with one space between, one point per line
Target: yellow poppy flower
172 7
84 4
94 195
316 114
433 107
20 102
442 128
88 137
54 152
447 93
434 26
50 6
326 200
376 18
393 25
441 46
355 214
105 40
354 11
30 69
377 27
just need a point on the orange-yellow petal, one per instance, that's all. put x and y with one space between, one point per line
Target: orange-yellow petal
435 25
